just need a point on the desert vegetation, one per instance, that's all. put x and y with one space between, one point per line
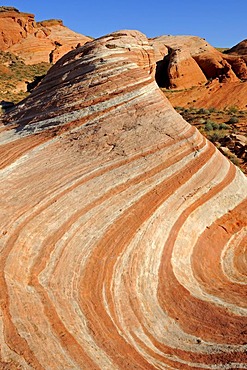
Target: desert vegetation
15 76
225 128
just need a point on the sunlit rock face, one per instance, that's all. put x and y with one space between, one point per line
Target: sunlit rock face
123 230
195 60
45 41
239 49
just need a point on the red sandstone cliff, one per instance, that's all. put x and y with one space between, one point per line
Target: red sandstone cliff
35 42
123 230
208 63
188 62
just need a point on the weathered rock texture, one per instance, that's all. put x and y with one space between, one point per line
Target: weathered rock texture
45 41
239 49
189 61
182 70
213 94
123 230
209 63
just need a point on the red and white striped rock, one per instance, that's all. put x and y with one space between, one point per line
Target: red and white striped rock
123 230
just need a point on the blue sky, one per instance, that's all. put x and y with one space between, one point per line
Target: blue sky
223 23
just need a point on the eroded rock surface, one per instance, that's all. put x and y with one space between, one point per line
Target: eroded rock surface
214 94
123 230
182 69
208 63
239 49
45 41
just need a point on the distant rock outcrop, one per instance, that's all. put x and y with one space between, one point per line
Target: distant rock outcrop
211 78
123 230
14 26
44 41
239 66
239 49
182 70
208 63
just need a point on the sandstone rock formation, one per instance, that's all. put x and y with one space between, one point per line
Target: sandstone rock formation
35 42
189 61
213 94
181 70
208 63
123 230
238 65
14 26
239 49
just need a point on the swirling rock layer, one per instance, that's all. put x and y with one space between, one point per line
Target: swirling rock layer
123 230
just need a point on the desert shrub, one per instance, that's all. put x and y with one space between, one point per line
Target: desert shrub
193 109
216 136
211 126
212 109
203 111
215 126
223 126
233 158
201 121
208 126
232 109
233 120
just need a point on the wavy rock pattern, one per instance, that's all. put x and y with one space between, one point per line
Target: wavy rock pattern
123 230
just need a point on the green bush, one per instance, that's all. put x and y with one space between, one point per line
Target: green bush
232 109
233 120
215 125
201 121
208 126
203 111
216 136
234 159
223 126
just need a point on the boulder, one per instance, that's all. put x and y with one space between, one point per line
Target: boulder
239 66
